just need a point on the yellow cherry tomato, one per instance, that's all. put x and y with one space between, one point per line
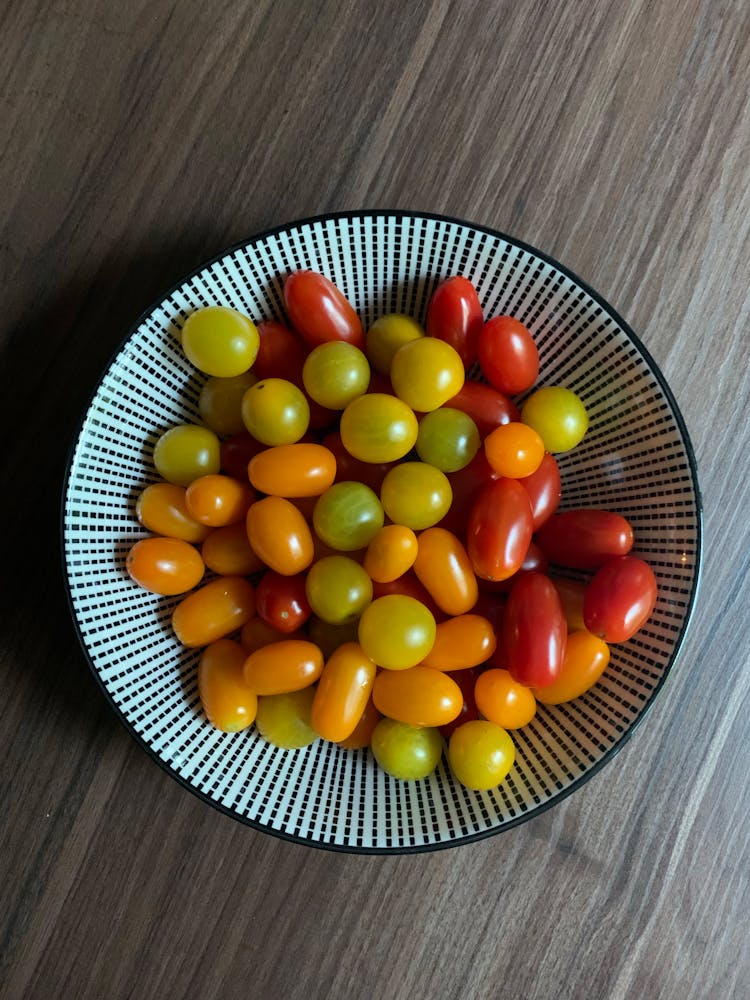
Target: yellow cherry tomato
378 428
220 341
396 631
391 553
386 335
342 693
275 411
284 719
585 660
481 754
227 700
502 700
426 373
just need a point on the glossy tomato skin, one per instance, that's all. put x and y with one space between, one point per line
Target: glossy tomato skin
444 568
487 407
408 586
283 667
586 658
508 355
499 529
351 469
343 692
226 698
585 539
280 535
534 631
544 488
466 486
319 311
418 696
620 598
281 601
161 508
293 470
461 642
455 316
165 566
216 610
466 679
503 700
534 561
281 353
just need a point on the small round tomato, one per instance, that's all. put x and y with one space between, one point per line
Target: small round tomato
342 693
544 489
281 601
390 553
293 470
406 752
396 632
386 335
215 611
377 427
444 568
218 500
319 311
514 450
361 735
165 566
256 634
487 407
338 589
418 696
285 666
504 701
508 355
275 411
186 452
447 439
586 658
335 373
236 452
348 516
558 416
161 508
228 552
481 754
534 631
499 529
416 494
620 598
220 341
281 353
279 535
455 316
283 720
220 402
460 642
226 698
425 373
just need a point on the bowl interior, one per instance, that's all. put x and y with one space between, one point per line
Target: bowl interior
635 459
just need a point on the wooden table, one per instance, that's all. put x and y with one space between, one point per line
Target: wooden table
140 138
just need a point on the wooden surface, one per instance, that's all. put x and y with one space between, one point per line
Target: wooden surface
140 138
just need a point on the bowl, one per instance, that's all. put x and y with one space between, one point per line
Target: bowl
635 459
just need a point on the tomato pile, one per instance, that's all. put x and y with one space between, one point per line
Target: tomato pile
379 531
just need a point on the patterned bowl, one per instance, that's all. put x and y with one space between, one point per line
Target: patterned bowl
636 459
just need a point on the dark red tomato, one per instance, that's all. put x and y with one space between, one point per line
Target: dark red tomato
508 355
534 631
487 407
490 605
351 469
319 311
535 561
281 353
466 485
455 316
281 601
408 585
585 539
499 529
380 383
619 598
545 490
236 452
466 679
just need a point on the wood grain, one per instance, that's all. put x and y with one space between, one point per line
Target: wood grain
140 138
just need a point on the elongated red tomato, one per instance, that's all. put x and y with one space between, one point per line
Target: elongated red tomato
508 355
487 407
499 530
534 631
545 490
290 665
619 598
455 316
343 692
466 485
585 539
319 311
281 353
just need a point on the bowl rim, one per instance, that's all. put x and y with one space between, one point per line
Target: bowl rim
624 738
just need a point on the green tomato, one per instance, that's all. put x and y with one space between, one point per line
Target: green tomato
378 428
406 752
480 754
557 415
348 516
284 719
275 411
335 373
426 373
397 631
220 402
186 452
416 495
220 341
338 589
447 439
386 335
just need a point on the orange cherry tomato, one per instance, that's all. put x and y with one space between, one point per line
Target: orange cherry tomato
161 508
342 693
281 667
293 470
226 698
280 535
228 552
514 450
461 642
586 658
418 696
571 597
164 565
362 733
216 610
444 568
217 500
502 700
391 553
257 633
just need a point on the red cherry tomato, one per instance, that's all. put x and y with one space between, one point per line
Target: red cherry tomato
455 316
319 311
534 561
534 631
545 490
585 539
281 601
619 599
281 353
508 355
487 407
499 529
466 680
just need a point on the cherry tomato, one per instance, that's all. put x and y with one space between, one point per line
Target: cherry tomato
361 736
508 355
293 470
585 539
447 439
329 636
514 450
220 341
256 633
426 373
558 416
466 680
281 601
335 373
319 311
620 598
490 605
186 452
227 551
164 566
586 658
460 642
280 535
534 561
281 353
406 752
487 407
220 402
236 452
466 486
218 500
571 594
455 316
377 427
285 666
351 469
544 489
416 494
161 508
275 411
390 553
386 335
348 516
396 632
216 610
499 529
226 698
283 720
418 696
534 631
408 586
481 754
444 568
504 701
343 692
338 589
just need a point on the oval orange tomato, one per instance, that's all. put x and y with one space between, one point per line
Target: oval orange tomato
342 693
445 570
293 470
418 696
226 698
460 642
282 667
280 535
216 610
165 566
